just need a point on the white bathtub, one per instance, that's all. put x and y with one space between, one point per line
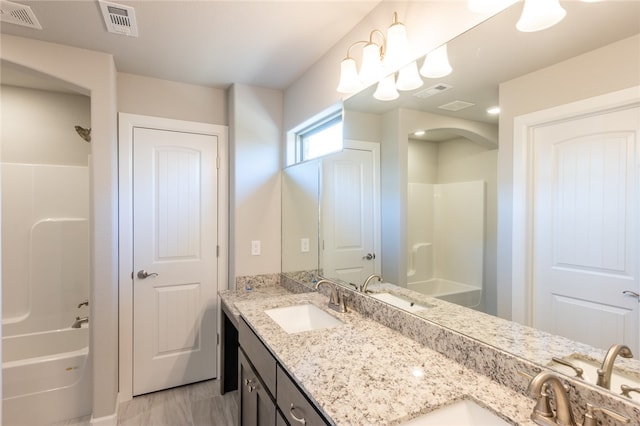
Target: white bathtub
45 377
451 291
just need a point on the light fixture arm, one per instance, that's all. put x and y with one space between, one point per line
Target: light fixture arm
353 45
383 45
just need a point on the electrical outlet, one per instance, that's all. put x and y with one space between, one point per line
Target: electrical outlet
255 248
304 245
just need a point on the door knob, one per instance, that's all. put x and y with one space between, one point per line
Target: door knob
369 256
142 274
632 294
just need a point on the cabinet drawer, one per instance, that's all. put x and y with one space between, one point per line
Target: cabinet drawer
294 404
259 355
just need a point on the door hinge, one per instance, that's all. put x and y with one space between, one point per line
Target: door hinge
217 162
217 251
218 337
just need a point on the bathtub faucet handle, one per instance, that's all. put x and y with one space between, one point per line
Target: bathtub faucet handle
83 303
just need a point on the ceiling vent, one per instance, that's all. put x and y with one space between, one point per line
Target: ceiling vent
433 90
119 19
19 14
456 105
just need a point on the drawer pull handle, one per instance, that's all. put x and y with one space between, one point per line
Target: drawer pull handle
300 420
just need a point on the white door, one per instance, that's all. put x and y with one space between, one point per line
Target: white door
349 215
586 225
174 241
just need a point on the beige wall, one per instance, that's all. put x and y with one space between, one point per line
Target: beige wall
255 118
91 73
169 99
613 67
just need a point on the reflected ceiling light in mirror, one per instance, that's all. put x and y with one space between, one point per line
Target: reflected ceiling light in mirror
493 110
379 58
419 133
538 15
436 63
386 90
408 77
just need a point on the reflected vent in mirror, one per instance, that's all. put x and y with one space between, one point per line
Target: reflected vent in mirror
456 105
433 90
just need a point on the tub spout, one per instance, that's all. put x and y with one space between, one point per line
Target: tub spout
79 321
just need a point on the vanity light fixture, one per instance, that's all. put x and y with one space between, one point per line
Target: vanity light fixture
381 58
419 133
436 63
538 15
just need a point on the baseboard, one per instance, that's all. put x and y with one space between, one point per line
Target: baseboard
110 420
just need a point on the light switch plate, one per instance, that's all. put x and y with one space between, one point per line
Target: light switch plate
304 245
255 248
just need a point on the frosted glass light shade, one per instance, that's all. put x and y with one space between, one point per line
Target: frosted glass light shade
538 15
436 63
386 90
397 53
349 81
408 77
371 70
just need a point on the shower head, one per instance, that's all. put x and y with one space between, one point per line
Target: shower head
84 133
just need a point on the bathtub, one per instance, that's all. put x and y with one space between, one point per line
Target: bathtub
451 291
45 377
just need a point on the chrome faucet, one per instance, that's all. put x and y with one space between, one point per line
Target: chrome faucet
335 301
363 287
562 416
79 321
604 372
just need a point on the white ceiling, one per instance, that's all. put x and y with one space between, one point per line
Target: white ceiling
207 42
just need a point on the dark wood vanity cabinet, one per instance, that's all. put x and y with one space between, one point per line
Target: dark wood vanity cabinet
257 406
268 395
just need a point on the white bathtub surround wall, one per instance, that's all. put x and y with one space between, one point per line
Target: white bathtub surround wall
45 277
446 236
44 221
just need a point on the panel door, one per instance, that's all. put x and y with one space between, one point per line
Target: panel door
586 228
175 238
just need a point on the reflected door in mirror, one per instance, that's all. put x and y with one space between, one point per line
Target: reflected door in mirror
586 228
348 216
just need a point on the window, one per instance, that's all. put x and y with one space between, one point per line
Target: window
323 137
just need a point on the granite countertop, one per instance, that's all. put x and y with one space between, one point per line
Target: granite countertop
363 373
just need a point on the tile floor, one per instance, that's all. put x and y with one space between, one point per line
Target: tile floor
199 404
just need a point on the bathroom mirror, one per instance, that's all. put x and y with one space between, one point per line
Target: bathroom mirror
482 58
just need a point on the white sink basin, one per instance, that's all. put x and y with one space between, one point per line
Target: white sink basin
590 366
400 302
462 413
307 317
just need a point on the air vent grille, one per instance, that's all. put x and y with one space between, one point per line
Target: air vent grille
456 105
119 19
19 14
433 90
